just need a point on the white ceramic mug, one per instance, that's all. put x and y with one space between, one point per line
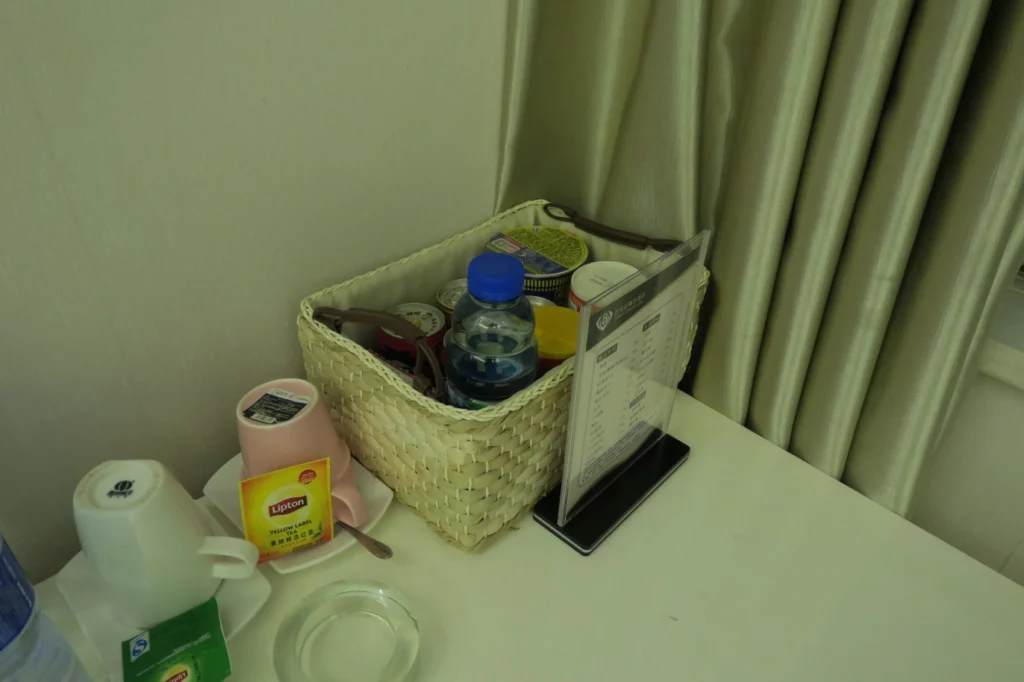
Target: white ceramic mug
150 544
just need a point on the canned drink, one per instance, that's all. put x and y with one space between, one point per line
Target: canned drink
593 279
450 293
556 330
401 370
428 318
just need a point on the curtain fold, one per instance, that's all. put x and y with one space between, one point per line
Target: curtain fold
859 163
733 26
573 67
934 60
759 184
864 49
652 182
956 266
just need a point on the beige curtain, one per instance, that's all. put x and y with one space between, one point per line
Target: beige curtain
861 164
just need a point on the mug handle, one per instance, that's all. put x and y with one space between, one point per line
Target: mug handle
241 555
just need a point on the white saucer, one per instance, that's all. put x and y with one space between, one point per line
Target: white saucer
238 601
222 491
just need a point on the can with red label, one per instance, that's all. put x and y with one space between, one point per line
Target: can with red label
429 319
593 279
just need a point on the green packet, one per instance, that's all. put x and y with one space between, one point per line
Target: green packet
186 648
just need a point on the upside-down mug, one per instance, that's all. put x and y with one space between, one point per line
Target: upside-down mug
149 543
285 422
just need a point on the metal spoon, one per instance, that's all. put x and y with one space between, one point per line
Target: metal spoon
375 547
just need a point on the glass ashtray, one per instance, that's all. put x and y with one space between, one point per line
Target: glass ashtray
347 630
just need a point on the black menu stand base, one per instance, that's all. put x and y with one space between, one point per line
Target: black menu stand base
612 500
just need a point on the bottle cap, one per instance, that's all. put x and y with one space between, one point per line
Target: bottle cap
496 277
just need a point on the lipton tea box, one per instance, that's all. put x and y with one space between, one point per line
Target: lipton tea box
288 509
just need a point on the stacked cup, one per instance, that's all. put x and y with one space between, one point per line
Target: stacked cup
274 439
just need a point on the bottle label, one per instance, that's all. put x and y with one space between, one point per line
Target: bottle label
459 399
17 597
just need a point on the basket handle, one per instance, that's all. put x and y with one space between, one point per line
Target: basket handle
612 234
334 318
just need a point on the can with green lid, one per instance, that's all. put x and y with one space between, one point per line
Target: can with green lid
549 254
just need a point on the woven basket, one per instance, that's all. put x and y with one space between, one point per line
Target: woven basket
470 474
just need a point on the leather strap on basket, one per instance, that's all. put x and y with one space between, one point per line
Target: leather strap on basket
612 234
334 318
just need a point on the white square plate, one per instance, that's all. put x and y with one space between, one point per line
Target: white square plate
237 600
222 490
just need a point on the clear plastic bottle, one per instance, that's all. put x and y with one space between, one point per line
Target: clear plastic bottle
31 648
491 351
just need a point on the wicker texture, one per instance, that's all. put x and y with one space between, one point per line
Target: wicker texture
470 474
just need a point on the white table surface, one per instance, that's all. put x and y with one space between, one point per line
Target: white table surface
746 565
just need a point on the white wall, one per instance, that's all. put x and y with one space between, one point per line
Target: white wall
174 178
971 493
971 490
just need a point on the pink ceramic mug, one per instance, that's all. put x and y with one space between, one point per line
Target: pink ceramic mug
283 423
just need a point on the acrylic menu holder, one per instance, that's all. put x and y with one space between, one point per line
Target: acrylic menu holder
629 360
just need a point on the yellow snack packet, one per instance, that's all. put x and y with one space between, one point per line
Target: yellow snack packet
288 509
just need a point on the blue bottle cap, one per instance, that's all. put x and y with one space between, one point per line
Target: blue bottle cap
496 277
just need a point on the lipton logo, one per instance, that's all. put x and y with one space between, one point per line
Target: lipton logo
180 677
288 506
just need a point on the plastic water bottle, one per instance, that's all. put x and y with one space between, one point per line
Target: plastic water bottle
491 352
31 648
